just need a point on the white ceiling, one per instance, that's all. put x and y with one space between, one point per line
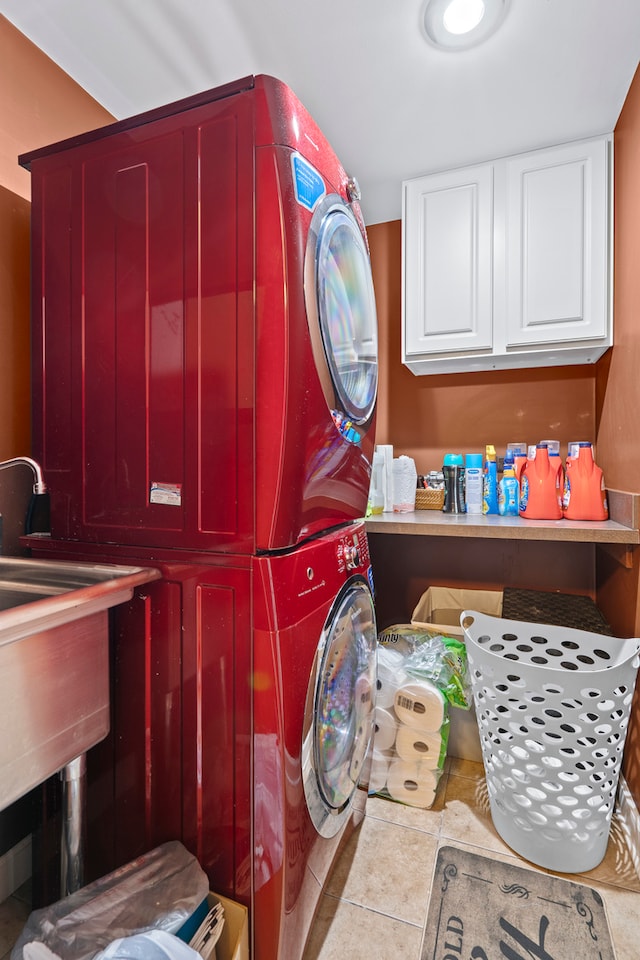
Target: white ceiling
392 106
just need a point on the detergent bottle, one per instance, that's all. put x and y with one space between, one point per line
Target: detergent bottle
508 491
375 502
490 481
518 453
540 497
553 446
585 497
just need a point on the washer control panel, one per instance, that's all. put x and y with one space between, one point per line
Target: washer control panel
352 550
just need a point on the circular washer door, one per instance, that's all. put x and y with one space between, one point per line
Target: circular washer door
341 311
338 723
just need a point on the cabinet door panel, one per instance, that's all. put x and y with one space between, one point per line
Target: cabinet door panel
448 261
557 245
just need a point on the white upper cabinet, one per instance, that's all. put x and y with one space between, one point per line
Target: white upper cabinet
448 257
507 264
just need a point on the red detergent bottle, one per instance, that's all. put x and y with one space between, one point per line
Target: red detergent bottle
555 460
540 496
585 496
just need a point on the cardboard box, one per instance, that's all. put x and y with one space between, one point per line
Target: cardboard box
234 939
438 610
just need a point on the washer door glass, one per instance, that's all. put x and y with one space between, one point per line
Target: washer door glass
346 310
341 724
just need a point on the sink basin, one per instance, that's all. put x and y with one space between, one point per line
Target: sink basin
54 663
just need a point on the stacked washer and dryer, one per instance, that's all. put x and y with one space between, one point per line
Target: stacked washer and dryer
205 376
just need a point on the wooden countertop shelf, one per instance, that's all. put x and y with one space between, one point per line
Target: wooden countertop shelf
623 527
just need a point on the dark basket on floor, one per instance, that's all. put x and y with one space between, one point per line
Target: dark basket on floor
557 609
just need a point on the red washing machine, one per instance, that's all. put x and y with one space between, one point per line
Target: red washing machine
204 327
314 675
241 716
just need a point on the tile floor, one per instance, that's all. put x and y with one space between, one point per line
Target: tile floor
375 904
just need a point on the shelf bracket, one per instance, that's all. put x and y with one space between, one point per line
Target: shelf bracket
622 553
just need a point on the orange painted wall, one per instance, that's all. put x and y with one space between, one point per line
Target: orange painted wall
618 397
39 104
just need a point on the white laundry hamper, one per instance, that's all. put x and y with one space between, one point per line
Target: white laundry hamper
553 706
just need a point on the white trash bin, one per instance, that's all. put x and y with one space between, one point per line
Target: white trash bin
553 707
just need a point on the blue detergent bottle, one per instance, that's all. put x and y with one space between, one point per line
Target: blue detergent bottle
508 491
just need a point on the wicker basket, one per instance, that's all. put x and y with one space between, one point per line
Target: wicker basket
429 499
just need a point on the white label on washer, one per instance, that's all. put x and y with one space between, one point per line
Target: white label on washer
167 493
308 184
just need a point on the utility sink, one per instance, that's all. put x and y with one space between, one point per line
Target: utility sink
54 663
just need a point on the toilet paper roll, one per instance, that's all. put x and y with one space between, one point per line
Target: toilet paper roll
389 656
388 680
418 746
412 783
420 704
379 770
359 750
363 694
384 727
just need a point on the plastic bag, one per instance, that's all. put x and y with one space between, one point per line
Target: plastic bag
443 660
152 945
158 890
428 656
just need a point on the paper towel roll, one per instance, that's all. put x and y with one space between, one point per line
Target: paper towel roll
412 783
404 484
416 745
420 704
379 770
390 677
384 726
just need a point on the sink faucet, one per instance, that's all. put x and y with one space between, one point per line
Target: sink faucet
39 486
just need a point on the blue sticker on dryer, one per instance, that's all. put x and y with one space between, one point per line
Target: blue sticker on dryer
308 183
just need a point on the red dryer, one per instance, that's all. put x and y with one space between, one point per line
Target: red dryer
204 327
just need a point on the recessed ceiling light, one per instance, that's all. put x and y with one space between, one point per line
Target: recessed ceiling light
460 24
462 16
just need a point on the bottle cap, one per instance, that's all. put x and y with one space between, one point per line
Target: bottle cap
552 445
453 460
473 460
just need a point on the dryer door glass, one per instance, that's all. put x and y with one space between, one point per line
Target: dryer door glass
346 310
343 715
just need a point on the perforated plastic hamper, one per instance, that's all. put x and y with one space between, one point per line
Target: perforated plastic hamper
553 707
